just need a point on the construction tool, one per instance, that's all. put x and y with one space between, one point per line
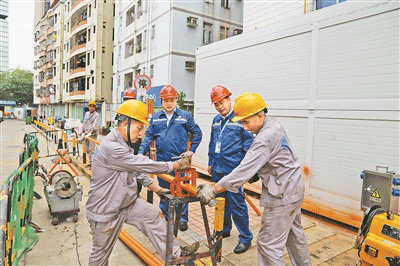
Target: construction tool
183 190
62 191
378 239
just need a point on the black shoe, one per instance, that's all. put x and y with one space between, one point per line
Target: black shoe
226 234
189 250
241 248
183 226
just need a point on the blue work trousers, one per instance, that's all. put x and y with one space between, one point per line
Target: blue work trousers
236 209
164 204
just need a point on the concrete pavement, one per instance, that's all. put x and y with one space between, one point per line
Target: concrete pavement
69 243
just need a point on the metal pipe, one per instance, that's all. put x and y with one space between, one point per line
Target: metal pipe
93 140
140 250
189 188
252 205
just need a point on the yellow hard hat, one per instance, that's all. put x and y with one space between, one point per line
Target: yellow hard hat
134 109
248 104
92 102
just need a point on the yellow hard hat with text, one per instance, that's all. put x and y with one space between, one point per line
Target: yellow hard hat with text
134 109
247 104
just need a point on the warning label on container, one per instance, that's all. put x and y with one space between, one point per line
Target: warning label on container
375 196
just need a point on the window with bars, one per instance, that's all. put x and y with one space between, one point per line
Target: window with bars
207 33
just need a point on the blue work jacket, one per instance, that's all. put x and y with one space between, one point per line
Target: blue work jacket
171 140
234 143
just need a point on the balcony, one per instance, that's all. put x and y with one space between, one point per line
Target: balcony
78 41
45 100
74 93
77 86
74 3
77 63
79 18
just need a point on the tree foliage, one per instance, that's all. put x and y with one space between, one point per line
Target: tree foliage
17 85
181 99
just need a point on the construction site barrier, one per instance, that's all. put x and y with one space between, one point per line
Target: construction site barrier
16 200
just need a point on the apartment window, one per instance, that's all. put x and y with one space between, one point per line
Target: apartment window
223 32
130 16
54 71
93 80
93 54
207 33
153 31
90 10
114 10
191 22
144 39
139 43
151 74
325 3
113 33
225 4
128 48
68 6
95 3
88 35
67 67
94 29
139 8
68 26
119 50
237 32
112 59
88 83
55 19
88 59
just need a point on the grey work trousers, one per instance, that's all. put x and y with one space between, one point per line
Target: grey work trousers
90 148
282 226
145 217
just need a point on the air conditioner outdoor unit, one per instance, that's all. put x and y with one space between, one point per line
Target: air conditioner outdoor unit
190 65
192 22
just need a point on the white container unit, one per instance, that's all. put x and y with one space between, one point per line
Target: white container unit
332 78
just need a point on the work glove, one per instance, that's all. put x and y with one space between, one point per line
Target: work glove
163 192
184 163
206 193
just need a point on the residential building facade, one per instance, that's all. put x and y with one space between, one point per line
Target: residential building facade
4 56
160 38
73 58
260 13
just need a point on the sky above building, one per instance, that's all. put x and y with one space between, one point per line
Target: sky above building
21 34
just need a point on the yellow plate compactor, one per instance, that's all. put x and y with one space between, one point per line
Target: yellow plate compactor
378 239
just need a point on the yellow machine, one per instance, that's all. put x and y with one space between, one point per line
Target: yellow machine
378 239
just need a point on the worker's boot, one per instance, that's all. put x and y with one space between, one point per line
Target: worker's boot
189 250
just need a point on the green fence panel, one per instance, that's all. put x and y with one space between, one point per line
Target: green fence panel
17 195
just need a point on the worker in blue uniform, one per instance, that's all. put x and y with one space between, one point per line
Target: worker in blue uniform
169 128
229 143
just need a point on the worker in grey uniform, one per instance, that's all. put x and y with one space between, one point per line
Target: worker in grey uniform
271 156
90 128
113 200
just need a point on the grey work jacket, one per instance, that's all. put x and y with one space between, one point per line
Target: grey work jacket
115 171
272 157
91 123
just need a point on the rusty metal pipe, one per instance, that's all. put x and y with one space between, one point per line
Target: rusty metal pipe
93 140
252 205
140 250
189 188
